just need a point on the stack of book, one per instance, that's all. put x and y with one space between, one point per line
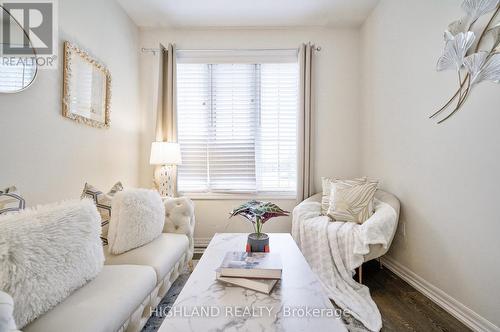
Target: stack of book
254 270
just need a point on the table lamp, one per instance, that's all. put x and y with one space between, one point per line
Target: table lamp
168 156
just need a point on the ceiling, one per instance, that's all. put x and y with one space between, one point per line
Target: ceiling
248 13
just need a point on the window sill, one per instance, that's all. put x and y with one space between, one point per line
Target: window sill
243 196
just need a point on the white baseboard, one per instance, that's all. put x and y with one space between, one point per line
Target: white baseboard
445 301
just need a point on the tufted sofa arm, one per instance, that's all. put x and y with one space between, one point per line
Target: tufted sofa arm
179 219
6 313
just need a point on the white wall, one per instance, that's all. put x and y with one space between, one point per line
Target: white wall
446 176
336 139
49 157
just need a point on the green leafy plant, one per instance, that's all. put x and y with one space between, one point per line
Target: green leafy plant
258 213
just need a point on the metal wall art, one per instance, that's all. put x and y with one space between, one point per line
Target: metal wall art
475 59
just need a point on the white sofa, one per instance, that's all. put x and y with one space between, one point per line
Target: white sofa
124 294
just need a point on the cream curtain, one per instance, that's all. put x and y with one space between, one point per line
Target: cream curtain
166 112
304 180
166 117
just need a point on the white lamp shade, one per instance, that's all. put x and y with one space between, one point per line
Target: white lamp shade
165 153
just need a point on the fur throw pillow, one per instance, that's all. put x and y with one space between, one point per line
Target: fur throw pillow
46 253
138 218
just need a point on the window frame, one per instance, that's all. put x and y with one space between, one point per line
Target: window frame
238 196
245 195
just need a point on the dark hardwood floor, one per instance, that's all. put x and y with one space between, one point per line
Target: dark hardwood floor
403 308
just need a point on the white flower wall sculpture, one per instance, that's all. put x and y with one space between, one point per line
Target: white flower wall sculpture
455 50
474 59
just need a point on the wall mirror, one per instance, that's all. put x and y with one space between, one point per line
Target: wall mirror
87 88
18 67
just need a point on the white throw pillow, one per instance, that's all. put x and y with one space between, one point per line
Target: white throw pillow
352 203
329 182
46 253
138 218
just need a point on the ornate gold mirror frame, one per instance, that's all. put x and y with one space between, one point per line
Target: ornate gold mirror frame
86 88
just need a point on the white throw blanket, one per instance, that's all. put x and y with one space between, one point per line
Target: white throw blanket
335 249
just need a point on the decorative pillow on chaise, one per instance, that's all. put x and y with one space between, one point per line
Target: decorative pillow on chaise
328 183
47 253
138 218
11 200
352 203
103 203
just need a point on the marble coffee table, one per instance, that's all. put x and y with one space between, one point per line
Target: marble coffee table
297 303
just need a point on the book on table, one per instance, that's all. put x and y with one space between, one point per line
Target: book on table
259 285
257 265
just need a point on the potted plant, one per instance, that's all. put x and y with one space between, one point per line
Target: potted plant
258 213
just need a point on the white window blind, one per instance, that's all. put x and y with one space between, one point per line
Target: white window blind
277 157
237 127
16 75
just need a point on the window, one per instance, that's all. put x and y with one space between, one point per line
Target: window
16 75
237 127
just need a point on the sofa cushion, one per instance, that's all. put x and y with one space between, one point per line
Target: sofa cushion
102 305
103 204
47 253
137 219
161 254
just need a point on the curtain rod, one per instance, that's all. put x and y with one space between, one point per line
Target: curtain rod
158 50
152 50
237 49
